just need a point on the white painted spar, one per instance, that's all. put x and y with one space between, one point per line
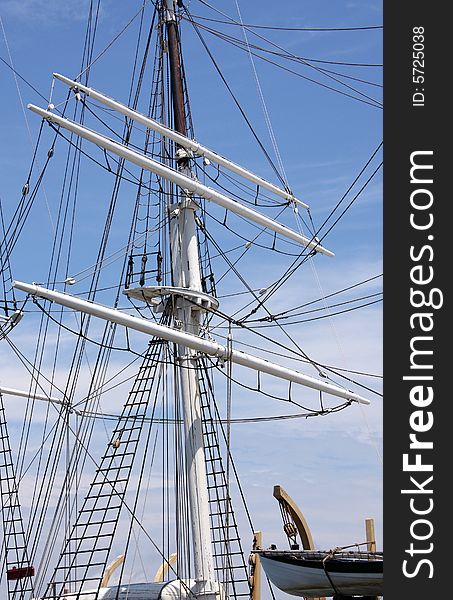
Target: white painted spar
7 391
186 183
190 341
182 140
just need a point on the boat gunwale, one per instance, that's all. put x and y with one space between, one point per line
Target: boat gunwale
340 562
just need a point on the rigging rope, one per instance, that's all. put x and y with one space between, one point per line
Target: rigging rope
262 100
294 58
296 352
17 74
281 28
302 257
232 21
16 82
236 101
106 346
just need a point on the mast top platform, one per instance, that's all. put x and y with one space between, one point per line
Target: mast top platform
155 294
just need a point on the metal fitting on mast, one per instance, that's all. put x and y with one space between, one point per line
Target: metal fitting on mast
170 14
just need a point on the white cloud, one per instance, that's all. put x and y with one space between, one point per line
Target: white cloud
50 11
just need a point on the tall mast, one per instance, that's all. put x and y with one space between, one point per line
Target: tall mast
188 301
186 274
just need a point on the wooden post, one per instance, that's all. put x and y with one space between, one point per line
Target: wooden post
370 535
255 576
371 545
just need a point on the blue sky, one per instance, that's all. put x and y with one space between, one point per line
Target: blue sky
331 465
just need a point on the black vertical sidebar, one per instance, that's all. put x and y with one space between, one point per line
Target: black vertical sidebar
418 323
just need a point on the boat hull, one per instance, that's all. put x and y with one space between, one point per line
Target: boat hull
305 574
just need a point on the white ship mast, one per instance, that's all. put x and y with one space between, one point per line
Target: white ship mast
186 274
190 302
